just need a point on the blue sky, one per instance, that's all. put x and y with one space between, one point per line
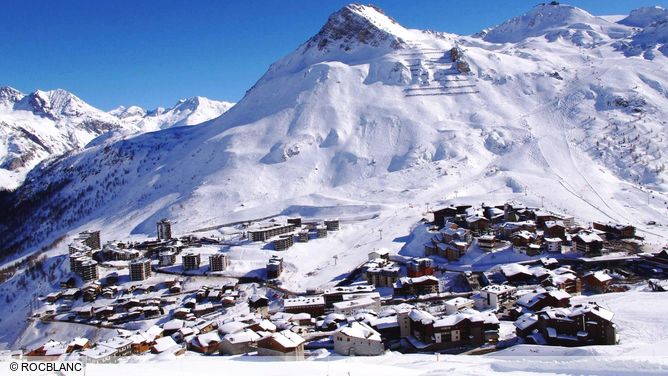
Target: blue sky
151 53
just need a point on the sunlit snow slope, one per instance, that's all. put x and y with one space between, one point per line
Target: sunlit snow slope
547 105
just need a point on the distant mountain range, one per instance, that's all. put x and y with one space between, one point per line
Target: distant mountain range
556 103
44 124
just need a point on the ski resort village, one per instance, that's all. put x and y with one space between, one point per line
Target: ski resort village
472 279
383 200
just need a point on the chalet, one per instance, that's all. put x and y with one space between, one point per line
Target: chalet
336 294
330 322
78 344
172 326
477 224
286 344
487 242
542 298
416 286
598 281
615 230
505 230
164 345
493 296
420 267
263 326
467 328
259 303
313 305
455 305
441 215
588 243
566 281
207 343
579 325
239 342
140 343
54 296
99 354
554 229
50 349
68 283
522 238
517 274
553 245
121 346
358 338
354 306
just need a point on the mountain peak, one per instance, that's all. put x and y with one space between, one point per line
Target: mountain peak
645 16
358 24
543 19
10 95
54 103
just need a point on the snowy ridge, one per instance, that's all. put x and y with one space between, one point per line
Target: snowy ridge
46 124
581 127
554 21
189 111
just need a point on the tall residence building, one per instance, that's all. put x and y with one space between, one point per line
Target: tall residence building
218 262
89 238
191 261
140 269
164 230
88 270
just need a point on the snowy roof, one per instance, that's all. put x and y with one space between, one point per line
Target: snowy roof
450 320
116 342
232 327
422 316
98 352
79 341
385 322
174 324
498 289
303 301
589 237
287 339
514 269
459 302
601 276
360 330
525 321
207 338
243 336
163 344
362 302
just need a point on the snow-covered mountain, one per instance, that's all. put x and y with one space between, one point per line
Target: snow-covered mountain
45 124
42 124
546 106
190 111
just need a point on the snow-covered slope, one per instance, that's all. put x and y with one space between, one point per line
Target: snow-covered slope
367 112
43 124
554 21
190 111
